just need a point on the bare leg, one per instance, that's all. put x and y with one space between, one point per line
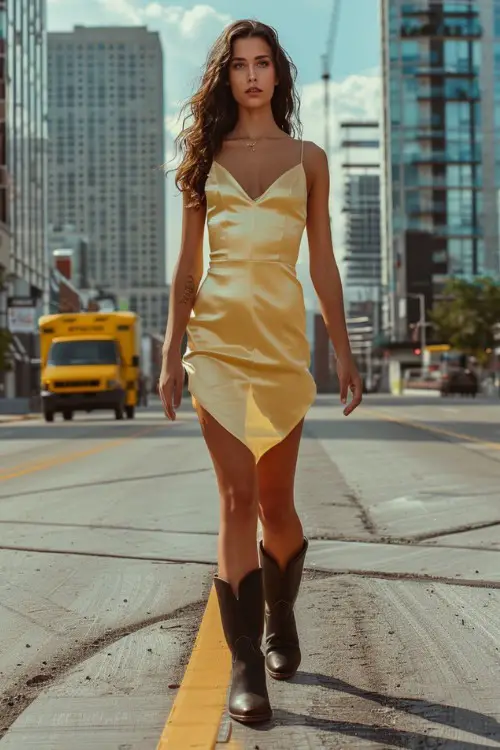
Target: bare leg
283 533
237 481
239 584
282 556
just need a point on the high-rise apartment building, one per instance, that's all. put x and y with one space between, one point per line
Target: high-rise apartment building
23 140
106 128
361 169
441 75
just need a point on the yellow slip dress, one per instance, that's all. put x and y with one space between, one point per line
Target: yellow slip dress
248 356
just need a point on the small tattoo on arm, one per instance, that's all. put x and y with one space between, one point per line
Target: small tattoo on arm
189 291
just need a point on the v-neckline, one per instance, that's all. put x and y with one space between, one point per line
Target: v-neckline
300 165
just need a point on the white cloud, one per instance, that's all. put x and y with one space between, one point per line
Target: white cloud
127 11
356 97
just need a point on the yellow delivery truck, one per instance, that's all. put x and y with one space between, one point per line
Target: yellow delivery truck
89 361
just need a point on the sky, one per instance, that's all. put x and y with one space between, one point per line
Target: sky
188 29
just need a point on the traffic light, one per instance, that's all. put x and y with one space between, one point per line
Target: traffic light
417 352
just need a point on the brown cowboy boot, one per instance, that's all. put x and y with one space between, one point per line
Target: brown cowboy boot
281 588
243 623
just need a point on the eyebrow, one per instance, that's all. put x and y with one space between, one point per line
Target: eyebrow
258 57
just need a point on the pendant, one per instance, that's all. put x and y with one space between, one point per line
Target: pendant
252 145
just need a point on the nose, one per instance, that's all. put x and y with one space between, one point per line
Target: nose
251 73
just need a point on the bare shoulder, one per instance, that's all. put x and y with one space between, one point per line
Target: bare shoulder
314 155
315 162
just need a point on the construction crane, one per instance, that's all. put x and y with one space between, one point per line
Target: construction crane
327 60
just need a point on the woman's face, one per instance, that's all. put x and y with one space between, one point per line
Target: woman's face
252 75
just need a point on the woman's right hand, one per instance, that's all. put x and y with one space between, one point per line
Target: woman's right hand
171 383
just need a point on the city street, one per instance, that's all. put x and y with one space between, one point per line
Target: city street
107 550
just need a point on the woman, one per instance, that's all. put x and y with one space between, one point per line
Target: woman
248 356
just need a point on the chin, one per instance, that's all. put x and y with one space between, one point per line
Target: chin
255 102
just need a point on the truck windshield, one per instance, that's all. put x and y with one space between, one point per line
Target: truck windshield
83 352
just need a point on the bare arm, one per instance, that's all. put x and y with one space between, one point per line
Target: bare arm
322 264
325 274
185 282
186 278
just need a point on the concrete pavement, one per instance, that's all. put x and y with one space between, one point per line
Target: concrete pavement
108 544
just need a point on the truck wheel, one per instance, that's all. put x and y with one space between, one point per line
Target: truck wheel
48 416
119 413
130 412
67 415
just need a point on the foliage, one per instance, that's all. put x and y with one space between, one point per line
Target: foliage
465 317
5 339
5 336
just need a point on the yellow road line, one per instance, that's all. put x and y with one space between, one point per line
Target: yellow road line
436 430
37 462
65 458
199 705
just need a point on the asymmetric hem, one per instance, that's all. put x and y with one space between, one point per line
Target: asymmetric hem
262 449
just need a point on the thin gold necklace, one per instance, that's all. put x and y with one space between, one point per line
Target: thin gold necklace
252 144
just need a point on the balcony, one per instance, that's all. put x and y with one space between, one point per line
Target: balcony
423 70
459 10
459 93
444 230
471 155
428 208
437 184
449 29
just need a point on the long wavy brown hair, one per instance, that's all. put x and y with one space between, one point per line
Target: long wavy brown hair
212 113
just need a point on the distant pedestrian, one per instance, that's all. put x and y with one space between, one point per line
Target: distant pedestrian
247 359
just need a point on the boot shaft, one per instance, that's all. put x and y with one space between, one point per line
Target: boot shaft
242 618
242 615
282 585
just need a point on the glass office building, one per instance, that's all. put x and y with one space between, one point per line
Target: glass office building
360 144
106 129
441 71
23 154
24 140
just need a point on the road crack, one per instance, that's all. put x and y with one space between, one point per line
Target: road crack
25 689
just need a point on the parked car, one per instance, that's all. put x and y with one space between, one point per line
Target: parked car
462 381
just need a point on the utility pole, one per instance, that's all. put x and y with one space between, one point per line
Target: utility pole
326 76
327 62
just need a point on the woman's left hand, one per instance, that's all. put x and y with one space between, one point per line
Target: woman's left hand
349 380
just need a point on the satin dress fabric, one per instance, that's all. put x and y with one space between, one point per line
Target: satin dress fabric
248 356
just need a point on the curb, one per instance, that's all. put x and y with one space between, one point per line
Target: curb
18 418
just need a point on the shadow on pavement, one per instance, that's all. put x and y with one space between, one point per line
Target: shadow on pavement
387 431
383 736
152 423
348 430
462 719
403 402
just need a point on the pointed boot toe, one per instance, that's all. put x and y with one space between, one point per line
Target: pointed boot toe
283 664
249 708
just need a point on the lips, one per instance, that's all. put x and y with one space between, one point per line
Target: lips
253 90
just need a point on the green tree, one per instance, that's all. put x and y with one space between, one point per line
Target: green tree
464 319
5 339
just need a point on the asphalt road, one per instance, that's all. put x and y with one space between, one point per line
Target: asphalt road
107 551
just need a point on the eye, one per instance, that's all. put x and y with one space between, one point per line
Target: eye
264 63
237 66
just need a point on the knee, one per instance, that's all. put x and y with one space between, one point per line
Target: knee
239 503
276 506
